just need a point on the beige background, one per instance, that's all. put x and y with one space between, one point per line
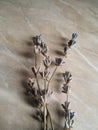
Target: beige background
56 20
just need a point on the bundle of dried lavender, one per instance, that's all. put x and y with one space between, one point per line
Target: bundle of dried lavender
40 47
42 94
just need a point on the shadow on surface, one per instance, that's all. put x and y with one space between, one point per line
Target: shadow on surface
58 83
64 41
27 54
59 53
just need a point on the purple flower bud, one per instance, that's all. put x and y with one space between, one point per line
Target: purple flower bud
74 35
47 62
59 61
66 89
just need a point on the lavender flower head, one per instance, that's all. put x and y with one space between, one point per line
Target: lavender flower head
59 61
74 36
47 61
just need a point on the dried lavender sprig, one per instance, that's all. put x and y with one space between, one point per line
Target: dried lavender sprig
40 45
68 114
72 41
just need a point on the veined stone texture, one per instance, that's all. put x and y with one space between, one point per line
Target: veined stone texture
56 20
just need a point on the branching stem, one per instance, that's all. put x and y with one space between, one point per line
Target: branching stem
38 84
51 77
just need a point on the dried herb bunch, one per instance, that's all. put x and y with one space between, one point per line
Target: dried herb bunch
41 93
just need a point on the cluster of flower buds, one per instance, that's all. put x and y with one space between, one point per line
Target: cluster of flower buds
67 77
70 43
47 62
33 92
59 61
39 45
69 121
43 96
40 115
66 88
30 87
66 49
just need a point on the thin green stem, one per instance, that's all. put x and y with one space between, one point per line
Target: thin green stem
51 77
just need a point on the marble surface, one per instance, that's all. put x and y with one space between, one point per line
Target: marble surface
56 20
